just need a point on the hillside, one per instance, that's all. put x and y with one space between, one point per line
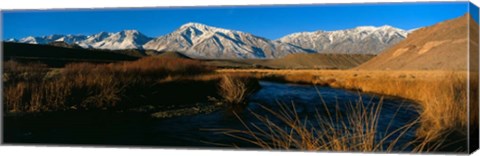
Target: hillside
298 61
474 40
58 56
319 61
442 46
175 55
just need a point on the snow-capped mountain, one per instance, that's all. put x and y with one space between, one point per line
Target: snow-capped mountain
203 41
127 39
199 40
71 39
11 40
39 40
360 40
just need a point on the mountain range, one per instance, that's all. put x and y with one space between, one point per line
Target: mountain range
198 40
203 41
127 39
360 40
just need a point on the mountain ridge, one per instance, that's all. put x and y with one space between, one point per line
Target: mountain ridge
204 41
359 40
201 40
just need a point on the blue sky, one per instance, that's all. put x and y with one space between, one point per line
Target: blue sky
473 9
267 21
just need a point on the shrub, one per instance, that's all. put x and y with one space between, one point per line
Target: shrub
233 90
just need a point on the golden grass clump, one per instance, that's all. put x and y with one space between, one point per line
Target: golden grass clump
353 129
234 90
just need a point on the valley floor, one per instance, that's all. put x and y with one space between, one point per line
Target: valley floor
134 85
357 74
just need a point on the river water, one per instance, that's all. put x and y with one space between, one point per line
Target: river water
207 130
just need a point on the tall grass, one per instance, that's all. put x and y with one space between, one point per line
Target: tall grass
13 97
353 129
35 88
14 72
443 102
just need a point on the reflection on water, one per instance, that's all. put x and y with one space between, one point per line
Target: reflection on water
199 130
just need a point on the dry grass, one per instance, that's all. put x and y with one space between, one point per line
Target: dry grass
353 129
442 95
36 88
14 97
443 102
15 72
233 91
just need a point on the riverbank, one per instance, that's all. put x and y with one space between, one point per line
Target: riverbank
439 93
208 129
147 85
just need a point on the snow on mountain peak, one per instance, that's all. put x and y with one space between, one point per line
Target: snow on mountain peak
193 24
362 39
126 39
387 27
203 28
103 33
200 40
380 28
365 28
30 40
131 32
11 40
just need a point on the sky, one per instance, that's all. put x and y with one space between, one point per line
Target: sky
271 22
473 9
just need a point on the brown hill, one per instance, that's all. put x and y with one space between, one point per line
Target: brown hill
442 46
297 61
474 39
55 56
173 55
319 61
64 44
